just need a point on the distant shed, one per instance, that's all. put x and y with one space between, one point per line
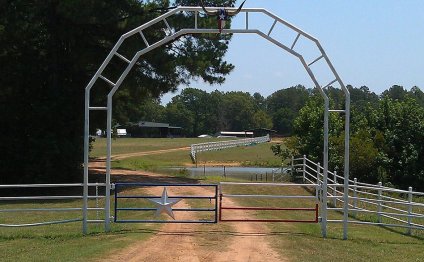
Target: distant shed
153 129
261 131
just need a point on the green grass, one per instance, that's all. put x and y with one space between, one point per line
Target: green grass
303 242
154 162
62 242
132 145
258 155
255 155
297 242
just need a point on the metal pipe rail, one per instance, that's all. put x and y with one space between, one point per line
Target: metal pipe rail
48 198
267 196
266 184
48 209
49 185
315 220
361 194
377 223
256 196
415 215
42 223
119 197
386 214
211 146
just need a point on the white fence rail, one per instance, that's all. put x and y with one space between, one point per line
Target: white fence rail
211 146
46 205
372 204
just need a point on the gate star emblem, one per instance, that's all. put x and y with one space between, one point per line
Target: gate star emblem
164 204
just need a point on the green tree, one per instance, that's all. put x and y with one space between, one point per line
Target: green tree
364 157
259 101
402 124
50 50
395 92
362 97
239 110
308 128
177 114
387 140
262 120
194 101
417 94
284 105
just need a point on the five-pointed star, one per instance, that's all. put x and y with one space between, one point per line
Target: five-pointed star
222 16
164 204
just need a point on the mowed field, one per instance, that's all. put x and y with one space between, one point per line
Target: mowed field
293 242
257 155
131 145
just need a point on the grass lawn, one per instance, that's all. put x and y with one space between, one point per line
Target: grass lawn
62 242
255 155
258 155
132 145
303 242
296 241
154 162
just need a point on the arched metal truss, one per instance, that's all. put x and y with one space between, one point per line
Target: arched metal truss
195 29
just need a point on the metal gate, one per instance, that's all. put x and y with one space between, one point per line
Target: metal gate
313 208
141 206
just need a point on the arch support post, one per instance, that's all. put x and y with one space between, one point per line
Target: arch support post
325 171
346 165
86 151
108 163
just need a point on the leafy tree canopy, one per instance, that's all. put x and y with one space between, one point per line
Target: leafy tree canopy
50 50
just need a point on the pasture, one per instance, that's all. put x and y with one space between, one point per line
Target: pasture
292 241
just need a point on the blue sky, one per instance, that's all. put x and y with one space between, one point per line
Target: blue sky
377 43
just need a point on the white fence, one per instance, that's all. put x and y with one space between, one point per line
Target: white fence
46 204
211 146
367 203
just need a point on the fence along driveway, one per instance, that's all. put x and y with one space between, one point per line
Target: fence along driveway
212 146
390 207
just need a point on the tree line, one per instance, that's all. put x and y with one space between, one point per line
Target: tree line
199 112
49 50
387 135
387 130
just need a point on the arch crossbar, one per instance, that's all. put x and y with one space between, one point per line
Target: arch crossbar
172 35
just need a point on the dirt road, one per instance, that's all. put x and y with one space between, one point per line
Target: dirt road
193 242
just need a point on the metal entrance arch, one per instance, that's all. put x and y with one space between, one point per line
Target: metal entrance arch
171 36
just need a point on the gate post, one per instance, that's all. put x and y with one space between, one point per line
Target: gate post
379 207
292 166
324 204
409 210
318 173
304 168
355 196
335 189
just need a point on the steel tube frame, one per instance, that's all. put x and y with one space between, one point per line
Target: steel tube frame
117 186
315 210
196 30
